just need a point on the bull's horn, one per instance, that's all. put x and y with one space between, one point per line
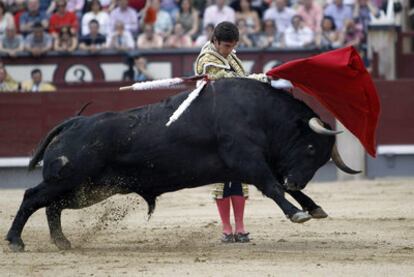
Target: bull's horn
340 163
316 125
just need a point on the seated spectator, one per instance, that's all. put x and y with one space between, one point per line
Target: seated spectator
149 39
47 6
218 12
250 16
125 14
109 5
36 84
270 37
7 84
137 5
75 6
66 41
353 34
188 17
205 36
94 41
138 71
38 42
339 12
328 37
11 43
163 23
96 13
280 14
311 13
178 39
363 11
31 16
62 18
170 6
6 19
120 39
298 35
244 39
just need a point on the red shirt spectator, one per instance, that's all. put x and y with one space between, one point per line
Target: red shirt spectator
137 4
16 18
63 18
19 10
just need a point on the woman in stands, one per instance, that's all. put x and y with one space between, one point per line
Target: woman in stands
6 19
328 37
250 16
96 12
188 17
66 41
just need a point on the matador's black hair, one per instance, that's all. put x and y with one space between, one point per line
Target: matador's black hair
226 31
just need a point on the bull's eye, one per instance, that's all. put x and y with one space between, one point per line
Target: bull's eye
310 149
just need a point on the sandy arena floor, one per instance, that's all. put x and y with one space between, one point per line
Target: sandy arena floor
370 232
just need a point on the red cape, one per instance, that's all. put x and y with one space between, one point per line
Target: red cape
339 81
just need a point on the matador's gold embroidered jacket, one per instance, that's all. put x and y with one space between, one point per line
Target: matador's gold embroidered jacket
210 62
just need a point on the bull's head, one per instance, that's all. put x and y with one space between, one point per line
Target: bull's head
312 152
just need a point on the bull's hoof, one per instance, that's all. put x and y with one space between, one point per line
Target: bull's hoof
318 213
16 244
63 244
300 217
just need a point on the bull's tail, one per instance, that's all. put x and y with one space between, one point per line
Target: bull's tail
40 150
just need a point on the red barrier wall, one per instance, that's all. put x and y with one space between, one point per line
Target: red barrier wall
396 125
26 118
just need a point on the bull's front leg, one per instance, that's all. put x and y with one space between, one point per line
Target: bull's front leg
308 204
248 163
275 191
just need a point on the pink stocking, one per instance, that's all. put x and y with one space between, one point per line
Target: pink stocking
223 206
238 210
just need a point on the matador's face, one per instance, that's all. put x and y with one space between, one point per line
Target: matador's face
224 48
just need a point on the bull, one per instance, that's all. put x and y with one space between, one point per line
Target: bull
237 130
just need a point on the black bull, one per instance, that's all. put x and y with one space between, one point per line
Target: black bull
237 129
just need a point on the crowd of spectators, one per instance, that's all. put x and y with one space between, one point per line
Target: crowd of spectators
38 26
34 84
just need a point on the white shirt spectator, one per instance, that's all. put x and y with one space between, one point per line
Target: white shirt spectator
282 18
200 41
346 2
164 24
128 16
102 17
75 5
105 3
215 15
118 41
298 38
340 13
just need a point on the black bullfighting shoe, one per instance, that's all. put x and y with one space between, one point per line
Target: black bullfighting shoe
240 237
227 238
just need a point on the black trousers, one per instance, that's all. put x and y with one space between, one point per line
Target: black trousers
232 188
